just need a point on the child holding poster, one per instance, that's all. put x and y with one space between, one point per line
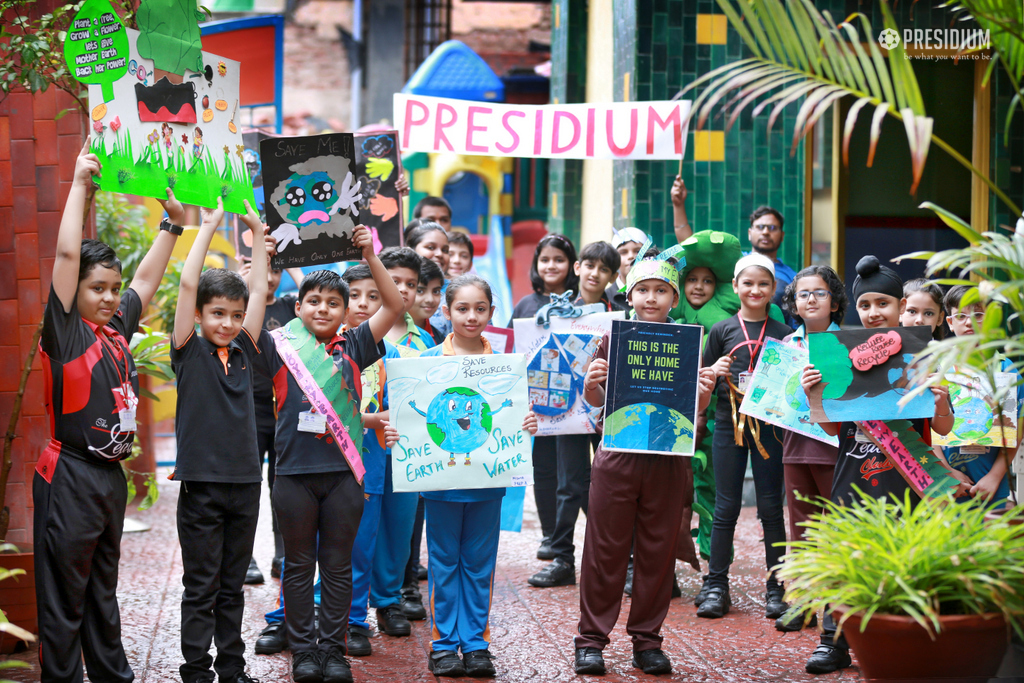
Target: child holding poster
816 298
551 272
878 296
733 348
634 497
463 525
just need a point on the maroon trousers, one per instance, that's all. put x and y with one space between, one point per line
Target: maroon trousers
810 481
631 494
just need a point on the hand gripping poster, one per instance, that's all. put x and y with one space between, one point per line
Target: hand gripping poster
460 422
558 357
312 198
163 112
774 394
865 374
651 394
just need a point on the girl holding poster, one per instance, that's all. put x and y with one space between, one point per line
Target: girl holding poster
733 348
463 524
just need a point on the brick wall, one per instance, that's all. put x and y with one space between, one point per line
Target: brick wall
37 163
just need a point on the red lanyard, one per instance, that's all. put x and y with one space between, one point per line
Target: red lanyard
115 350
756 345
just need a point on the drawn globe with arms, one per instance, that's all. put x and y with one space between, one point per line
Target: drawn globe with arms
459 420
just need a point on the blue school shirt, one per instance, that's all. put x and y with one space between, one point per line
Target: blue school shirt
977 465
440 323
460 495
375 456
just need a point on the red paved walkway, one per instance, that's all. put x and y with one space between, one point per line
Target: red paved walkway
532 629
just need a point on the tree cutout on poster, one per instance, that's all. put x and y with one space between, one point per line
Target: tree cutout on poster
312 198
170 35
96 46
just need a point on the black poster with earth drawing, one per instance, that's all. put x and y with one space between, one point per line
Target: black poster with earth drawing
651 394
311 194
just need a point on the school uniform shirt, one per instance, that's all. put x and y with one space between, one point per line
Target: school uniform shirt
724 338
609 305
279 313
375 456
415 337
976 462
215 422
440 323
860 463
460 495
529 305
89 377
617 298
800 449
304 452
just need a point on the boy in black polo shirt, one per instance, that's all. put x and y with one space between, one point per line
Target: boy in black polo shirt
79 490
318 492
217 462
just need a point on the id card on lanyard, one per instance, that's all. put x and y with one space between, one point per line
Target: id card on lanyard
744 377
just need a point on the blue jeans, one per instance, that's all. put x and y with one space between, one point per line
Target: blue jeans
730 463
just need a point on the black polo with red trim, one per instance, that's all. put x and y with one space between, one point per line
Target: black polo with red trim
215 422
305 452
90 377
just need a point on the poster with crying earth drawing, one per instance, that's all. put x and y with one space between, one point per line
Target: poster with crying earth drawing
866 373
312 198
460 422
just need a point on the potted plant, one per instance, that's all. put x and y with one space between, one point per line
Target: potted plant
928 591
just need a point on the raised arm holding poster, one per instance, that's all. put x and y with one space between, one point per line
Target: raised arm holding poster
651 396
460 421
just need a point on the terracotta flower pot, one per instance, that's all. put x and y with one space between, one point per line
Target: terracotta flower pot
18 596
968 647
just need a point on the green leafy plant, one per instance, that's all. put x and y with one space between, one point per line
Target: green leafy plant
152 488
881 556
5 625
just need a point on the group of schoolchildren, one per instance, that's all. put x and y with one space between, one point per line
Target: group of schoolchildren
303 379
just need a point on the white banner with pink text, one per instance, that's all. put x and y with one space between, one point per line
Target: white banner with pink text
620 130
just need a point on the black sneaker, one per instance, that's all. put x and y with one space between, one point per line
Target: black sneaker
392 621
716 603
544 552
253 575
589 660
359 642
653 662
793 620
628 588
412 604
558 573
446 663
306 668
828 658
774 605
240 677
335 666
421 572
275 567
702 593
478 663
677 592
273 639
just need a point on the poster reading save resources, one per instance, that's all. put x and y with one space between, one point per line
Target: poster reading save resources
651 394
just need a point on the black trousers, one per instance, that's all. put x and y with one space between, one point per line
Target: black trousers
216 529
78 520
573 492
265 444
415 544
545 482
328 505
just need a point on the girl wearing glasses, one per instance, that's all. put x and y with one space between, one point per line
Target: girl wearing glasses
816 298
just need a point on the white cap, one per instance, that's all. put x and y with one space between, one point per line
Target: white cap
620 237
754 259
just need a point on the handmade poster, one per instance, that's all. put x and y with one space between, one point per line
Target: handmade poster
167 117
312 198
615 130
865 374
378 165
460 420
911 456
973 422
501 339
251 156
651 395
558 357
774 394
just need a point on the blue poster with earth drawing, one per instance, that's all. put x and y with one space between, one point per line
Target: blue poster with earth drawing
651 396
774 394
460 422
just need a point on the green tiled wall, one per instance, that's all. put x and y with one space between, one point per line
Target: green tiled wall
568 84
